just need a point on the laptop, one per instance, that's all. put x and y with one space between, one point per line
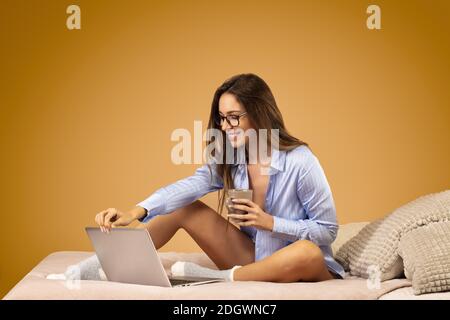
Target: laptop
129 256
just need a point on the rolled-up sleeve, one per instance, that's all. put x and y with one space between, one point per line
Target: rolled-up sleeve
315 195
181 192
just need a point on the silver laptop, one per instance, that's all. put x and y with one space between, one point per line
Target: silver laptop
129 255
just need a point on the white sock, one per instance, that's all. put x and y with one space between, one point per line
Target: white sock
56 276
88 269
190 269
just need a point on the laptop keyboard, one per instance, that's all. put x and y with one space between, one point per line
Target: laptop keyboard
175 282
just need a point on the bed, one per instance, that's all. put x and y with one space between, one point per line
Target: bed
35 285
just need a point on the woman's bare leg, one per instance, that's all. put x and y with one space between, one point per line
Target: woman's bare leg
163 227
300 261
207 228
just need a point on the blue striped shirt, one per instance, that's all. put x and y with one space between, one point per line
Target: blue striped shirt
298 197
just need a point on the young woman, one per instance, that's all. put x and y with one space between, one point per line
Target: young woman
291 222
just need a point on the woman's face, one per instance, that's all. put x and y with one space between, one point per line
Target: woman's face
228 105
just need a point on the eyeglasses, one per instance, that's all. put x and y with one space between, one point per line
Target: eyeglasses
232 119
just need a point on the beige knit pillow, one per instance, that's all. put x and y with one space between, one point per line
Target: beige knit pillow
346 232
375 247
426 256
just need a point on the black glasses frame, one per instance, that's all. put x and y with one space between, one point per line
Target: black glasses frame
219 120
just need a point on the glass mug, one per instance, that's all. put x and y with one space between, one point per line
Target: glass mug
238 194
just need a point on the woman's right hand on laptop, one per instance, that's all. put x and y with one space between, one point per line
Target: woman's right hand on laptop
111 218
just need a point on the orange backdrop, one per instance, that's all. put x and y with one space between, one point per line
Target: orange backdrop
86 115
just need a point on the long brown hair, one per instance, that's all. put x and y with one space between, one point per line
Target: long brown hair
254 94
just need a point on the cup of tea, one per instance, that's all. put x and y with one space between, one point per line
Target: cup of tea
238 194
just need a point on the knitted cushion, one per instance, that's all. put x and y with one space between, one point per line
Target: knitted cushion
426 256
346 232
375 247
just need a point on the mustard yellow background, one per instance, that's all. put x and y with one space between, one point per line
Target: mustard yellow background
86 115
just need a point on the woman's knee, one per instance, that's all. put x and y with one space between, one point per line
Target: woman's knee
304 257
191 213
188 209
306 252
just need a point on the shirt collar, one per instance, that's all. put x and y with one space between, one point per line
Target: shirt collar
277 161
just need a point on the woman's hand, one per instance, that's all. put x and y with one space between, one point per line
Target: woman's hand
111 218
255 217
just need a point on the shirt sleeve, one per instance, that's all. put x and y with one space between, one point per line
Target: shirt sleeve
315 195
181 192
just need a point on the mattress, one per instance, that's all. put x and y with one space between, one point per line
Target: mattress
35 285
406 293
